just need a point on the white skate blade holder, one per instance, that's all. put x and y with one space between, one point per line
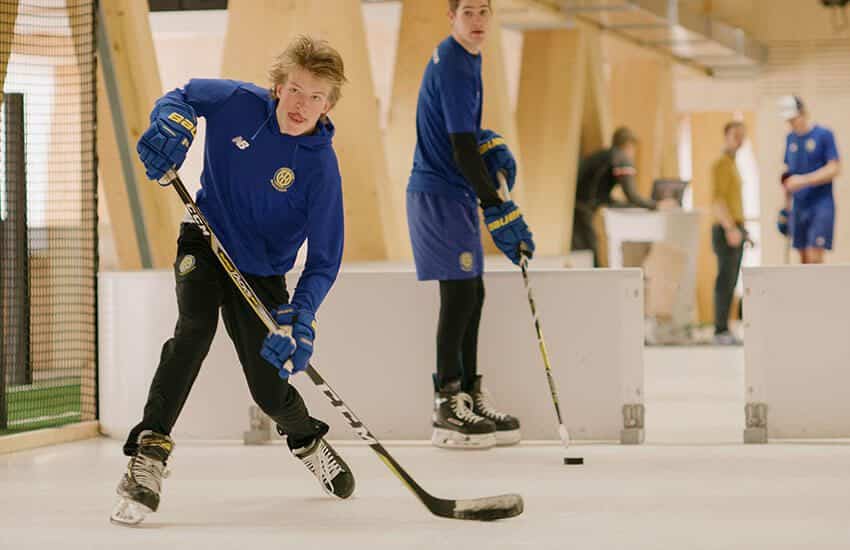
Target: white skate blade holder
449 439
128 512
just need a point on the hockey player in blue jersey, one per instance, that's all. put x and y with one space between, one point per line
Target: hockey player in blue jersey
270 181
450 179
811 165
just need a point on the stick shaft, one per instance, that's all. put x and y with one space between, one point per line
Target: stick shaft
541 342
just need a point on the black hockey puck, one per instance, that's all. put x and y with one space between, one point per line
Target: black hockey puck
573 461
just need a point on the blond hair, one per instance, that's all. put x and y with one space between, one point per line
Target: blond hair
314 55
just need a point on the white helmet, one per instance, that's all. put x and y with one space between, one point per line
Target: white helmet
790 106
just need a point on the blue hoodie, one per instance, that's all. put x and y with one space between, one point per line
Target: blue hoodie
264 192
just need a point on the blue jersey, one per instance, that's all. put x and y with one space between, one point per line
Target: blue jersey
264 192
807 153
450 100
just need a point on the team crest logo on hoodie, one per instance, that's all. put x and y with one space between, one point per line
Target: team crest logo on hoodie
283 179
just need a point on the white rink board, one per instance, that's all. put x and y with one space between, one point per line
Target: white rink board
376 347
797 348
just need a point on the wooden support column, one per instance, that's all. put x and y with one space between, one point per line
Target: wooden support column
497 113
596 122
424 24
8 16
145 217
112 189
70 223
641 91
668 123
549 116
264 28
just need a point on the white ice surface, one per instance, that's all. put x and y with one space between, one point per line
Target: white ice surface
235 497
692 486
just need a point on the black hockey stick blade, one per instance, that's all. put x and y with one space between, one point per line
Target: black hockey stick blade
478 509
475 509
484 509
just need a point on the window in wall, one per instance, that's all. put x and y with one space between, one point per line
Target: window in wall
35 81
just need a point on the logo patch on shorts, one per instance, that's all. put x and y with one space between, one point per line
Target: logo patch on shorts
186 265
283 179
810 145
466 261
820 242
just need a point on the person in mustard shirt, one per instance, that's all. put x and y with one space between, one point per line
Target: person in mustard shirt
728 234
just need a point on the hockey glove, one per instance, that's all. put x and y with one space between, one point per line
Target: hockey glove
164 144
782 221
278 349
497 157
509 231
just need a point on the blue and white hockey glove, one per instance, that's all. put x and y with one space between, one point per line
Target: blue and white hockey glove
164 144
782 221
497 157
298 348
509 231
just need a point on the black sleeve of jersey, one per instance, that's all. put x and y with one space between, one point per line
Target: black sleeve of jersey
468 160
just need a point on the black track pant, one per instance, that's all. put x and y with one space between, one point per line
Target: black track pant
203 287
461 302
584 235
728 265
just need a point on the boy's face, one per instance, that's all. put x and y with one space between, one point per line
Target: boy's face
471 21
799 124
303 100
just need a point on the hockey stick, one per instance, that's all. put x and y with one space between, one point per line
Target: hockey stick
481 509
541 343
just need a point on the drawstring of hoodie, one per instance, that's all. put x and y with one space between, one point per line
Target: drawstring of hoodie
260 128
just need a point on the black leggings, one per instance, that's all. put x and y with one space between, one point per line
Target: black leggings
728 265
584 234
204 288
461 302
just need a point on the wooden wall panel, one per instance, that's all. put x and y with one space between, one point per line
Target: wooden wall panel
424 23
549 116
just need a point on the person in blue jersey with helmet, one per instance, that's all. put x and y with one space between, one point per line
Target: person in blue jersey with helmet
270 181
454 172
811 165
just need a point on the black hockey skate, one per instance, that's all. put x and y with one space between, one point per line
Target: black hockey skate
141 485
324 463
456 425
507 427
